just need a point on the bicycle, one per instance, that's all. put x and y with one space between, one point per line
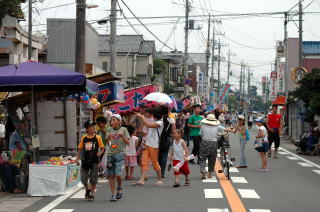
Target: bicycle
225 155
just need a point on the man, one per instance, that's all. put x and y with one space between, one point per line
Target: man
250 120
274 124
195 125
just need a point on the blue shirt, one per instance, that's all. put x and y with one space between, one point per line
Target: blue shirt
16 138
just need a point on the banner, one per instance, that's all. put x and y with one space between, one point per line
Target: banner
111 92
73 175
134 99
224 93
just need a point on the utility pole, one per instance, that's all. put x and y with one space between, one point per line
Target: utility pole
249 93
228 77
300 35
113 36
186 37
286 53
212 64
206 73
80 59
30 31
240 87
219 61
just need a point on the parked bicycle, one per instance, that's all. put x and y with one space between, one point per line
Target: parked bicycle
225 155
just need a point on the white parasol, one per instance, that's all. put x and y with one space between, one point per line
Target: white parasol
158 97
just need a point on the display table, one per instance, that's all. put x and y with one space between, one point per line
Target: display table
52 180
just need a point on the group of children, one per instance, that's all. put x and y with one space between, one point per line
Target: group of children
115 147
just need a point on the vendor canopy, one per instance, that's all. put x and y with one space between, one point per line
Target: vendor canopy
23 76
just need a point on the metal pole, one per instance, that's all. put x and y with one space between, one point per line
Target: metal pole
286 53
228 77
206 75
240 87
30 31
113 36
186 86
219 60
300 35
212 64
249 96
80 59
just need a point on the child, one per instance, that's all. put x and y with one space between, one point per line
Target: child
261 144
131 154
89 147
118 138
180 153
102 131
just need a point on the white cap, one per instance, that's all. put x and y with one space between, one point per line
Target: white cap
116 116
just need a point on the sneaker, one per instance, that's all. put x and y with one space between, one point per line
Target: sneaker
86 196
261 170
265 170
90 197
113 198
176 185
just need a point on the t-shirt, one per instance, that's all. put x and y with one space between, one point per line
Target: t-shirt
103 135
153 136
251 118
264 132
274 120
131 148
211 132
16 138
195 120
117 145
81 144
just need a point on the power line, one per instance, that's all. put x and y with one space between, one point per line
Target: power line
156 37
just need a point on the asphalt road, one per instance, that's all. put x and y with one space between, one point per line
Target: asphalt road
292 184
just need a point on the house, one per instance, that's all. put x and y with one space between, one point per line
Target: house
14 43
174 65
134 58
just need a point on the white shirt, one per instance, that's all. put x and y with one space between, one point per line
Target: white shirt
210 132
251 118
264 132
153 136
178 151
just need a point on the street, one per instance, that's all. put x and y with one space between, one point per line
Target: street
292 184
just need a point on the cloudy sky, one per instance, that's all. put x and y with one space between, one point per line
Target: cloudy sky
250 38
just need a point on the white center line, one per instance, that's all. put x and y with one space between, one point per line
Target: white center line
260 210
292 158
218 210
305 164
316 171
239 180
301 158
248 193
213 193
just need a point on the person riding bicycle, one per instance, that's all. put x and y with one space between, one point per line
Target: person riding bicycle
209 131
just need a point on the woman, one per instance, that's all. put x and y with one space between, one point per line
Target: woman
210 130
241 128
151 146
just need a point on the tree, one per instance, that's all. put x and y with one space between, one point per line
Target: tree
309 91
9 7
159 66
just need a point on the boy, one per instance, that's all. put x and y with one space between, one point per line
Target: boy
91 148
102 131
195 125
117 138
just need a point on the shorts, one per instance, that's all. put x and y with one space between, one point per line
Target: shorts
184 169
115 164
131 161
90 174
264 148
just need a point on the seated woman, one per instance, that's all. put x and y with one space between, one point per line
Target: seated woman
9 172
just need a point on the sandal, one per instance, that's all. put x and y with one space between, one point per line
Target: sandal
119 194
139 183
159 183
90 197
187 183
176 184
269 154
204 176
87 194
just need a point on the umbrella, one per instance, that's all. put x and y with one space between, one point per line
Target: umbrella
158 97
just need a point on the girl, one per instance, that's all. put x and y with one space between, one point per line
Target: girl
180 153
131 154
262 137
241 128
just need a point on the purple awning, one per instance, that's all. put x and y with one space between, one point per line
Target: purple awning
41 76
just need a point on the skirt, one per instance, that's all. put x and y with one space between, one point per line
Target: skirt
131 161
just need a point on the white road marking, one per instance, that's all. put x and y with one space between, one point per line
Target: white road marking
248 193
239 180
301 158
213 193
62 210
210 180
283 153
260 210
233 169
316 171
292 158
305 164
57 201
218 210
79 195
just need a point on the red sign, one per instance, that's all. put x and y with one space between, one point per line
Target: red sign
134 99
274 75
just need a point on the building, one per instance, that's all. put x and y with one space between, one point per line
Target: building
14 43
134 57
174 65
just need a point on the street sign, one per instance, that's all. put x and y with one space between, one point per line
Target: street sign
187 82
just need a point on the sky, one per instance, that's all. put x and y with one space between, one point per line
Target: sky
249 39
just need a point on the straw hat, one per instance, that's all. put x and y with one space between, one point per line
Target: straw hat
211 120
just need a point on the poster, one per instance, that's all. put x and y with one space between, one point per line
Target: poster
111 92
134 99
73 175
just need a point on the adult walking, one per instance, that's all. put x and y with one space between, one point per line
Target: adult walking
243 138
151 146
210 131
274 124
195 125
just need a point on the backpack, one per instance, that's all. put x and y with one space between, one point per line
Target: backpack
165 139
247 135
89 156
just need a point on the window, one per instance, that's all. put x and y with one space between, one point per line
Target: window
173 75
105 66
118 74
